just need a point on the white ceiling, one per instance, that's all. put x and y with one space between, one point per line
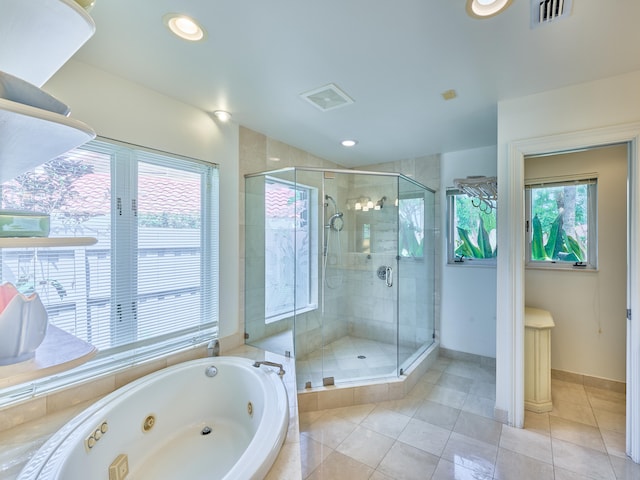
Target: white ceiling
394 58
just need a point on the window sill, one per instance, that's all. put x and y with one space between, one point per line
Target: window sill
285 316
555 268
473 264
58 352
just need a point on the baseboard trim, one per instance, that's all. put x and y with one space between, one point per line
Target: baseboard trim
589 381
467 357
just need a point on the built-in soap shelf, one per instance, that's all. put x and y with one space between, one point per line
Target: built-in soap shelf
39 36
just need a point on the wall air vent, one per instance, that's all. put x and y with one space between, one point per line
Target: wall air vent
327 97
547 11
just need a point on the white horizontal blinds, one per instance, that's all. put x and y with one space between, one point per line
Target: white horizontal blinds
152 275
210 247
164 281
171 222
73 283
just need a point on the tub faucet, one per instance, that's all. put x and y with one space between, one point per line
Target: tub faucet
281 372
213 348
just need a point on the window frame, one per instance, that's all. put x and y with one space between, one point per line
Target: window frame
114 358
452 259
589 179
312 272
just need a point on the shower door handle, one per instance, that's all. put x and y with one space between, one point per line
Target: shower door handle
389 277
386 273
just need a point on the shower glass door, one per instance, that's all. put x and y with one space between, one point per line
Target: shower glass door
357 278
416 270
339 271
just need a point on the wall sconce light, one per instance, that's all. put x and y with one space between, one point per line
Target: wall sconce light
365 204
380 203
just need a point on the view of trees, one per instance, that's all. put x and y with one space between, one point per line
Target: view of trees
49 189
411 234
475 228
559 223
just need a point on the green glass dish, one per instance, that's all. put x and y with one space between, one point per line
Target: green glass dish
16 223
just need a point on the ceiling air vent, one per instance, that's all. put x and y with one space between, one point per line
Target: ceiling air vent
327 98
547 11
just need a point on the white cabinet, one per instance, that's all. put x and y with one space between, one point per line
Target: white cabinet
38 37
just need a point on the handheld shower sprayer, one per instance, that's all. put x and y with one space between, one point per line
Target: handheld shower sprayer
331 223
332 243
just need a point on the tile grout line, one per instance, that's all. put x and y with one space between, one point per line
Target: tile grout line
424 397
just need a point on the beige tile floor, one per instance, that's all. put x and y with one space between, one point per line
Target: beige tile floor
444 430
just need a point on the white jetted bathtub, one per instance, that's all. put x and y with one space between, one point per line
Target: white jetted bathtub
212 418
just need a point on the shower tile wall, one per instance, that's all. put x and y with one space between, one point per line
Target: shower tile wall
425 170
259 153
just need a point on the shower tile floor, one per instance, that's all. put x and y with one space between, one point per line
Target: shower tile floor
444 429
349 359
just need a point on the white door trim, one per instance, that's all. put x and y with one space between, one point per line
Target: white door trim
510 270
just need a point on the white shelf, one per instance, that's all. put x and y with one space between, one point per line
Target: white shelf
30 137
39 36
58 352
42 242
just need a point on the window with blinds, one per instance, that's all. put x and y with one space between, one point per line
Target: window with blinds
149 284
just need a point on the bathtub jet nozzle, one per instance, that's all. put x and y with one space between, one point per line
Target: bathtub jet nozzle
281 371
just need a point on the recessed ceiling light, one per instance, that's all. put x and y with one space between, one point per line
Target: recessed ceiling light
486 8
222 115
348 143
184 27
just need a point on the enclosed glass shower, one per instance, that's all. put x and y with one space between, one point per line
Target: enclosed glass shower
339 271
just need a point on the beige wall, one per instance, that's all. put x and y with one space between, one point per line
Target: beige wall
567 115
589 308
